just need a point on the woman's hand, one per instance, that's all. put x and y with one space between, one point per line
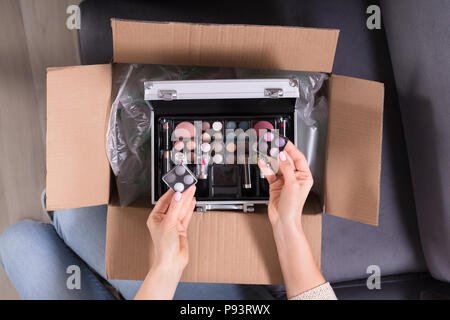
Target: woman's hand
289 188
168 223
288 192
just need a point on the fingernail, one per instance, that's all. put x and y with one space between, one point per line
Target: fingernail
178 196
282 156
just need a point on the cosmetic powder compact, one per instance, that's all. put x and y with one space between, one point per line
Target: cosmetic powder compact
179 178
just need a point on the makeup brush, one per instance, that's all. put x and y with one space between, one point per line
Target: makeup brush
247 173
166 146
283 126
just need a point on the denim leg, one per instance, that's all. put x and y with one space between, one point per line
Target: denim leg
36 261
222 291
84 231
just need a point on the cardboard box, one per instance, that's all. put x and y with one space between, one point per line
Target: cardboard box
227 247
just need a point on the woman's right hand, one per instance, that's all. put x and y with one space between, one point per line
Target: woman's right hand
289 188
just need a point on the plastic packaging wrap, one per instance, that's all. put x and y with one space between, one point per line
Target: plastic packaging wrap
312 120
128 137
128 134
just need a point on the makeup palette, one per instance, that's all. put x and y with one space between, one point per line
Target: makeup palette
212 148
216 142
179 178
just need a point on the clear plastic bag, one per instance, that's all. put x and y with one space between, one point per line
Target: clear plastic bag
128 137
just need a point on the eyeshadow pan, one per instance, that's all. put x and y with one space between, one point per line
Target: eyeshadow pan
206 126
218 159
188 180
170 178
217 147
206 137
243 125
217 126
231 125
231 147
179 158
180 170
179 187
268 136
280 142
179 145
218 136
206 147
274 152
190 145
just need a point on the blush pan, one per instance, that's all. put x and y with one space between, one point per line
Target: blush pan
262 125
185 130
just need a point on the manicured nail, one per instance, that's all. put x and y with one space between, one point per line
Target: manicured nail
282 156
177 196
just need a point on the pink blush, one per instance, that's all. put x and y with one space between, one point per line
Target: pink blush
262 125
185 130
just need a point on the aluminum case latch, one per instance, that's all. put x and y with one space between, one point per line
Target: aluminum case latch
273 93
167 95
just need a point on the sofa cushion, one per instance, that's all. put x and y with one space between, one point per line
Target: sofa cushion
419 44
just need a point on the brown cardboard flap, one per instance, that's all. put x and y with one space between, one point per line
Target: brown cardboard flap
78 102
352 186
239 247
245 46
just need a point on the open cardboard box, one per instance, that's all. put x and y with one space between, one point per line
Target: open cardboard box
227 247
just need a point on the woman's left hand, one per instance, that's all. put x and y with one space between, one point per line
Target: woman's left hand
168 223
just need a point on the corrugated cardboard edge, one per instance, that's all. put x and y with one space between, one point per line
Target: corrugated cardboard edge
240 247
245 46
78 172
353 162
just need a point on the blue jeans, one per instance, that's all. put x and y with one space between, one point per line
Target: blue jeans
36 257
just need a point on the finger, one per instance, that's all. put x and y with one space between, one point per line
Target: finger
164 202
299 159
286 167
268 173
189 213
178 204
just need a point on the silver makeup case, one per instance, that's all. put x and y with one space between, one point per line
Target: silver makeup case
242 100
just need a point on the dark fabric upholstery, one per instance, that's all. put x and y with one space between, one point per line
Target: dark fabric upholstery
418 33
348 247
398 287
